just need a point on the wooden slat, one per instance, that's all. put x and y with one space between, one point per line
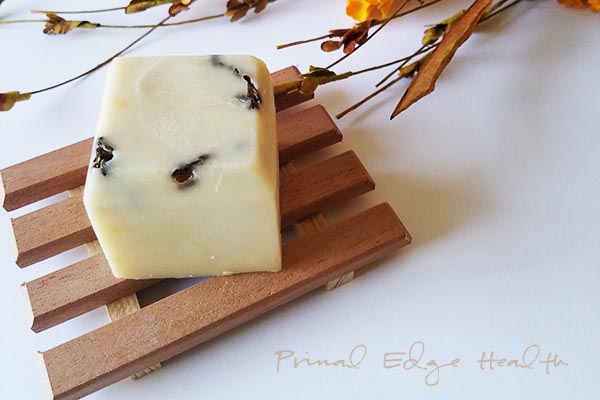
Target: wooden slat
51 230
66 168
314 188
121 308
65 294
46 175
312 224
88 284
289 99
306 131
214 306
64 225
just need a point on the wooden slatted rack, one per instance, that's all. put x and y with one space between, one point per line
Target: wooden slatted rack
138 339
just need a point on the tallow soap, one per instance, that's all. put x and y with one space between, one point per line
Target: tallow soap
183 178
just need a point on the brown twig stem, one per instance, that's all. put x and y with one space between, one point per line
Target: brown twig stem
499 10
375 23
190 21
105 62
369 97
78 12
422 49
283 46
385 22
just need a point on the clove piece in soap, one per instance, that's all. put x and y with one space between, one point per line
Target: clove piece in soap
185 175
104 153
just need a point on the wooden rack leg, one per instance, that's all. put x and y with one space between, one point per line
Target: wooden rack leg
311 225
119 308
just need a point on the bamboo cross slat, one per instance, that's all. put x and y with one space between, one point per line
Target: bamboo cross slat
216 305
66 168
88 284
313 224
38 237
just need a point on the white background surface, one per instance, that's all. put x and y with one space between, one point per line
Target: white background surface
496 175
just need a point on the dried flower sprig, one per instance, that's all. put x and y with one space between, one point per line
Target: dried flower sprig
134 6
177 6
357 28
386 21
439 44
430 38
56 25
317 76
102 10
235 8
431 68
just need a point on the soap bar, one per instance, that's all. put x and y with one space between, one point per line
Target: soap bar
183 178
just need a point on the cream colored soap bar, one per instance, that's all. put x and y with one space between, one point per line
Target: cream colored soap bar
184 177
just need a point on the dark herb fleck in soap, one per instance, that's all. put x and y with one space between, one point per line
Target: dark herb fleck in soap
104 153
184 176
252 97
216 62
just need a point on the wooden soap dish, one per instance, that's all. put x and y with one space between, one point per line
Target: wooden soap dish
138 339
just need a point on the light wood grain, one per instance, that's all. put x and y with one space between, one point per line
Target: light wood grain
88 284
64 225
214 306
65 168
123 307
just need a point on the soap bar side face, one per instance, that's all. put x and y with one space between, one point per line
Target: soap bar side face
183 180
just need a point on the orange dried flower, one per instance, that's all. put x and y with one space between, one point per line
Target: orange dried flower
593 5
363 10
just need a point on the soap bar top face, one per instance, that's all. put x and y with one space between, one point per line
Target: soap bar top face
183 179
